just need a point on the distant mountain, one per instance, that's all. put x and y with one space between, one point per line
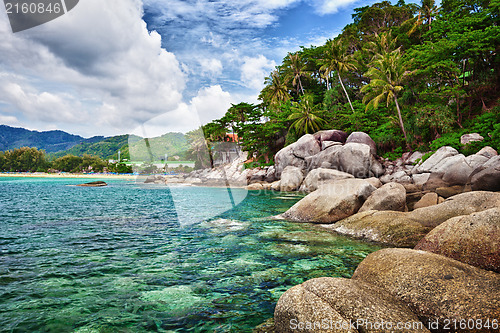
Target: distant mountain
155 149
59 143
50 141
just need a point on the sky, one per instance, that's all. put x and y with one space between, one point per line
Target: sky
152 66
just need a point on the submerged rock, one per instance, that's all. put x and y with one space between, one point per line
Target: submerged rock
436 288
94 184
388 227
472 239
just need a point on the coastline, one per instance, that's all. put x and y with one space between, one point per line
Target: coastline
67 175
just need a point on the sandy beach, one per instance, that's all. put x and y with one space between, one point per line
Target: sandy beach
68 175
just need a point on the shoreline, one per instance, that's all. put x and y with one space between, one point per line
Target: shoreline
66 175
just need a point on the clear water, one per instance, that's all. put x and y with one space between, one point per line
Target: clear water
115 259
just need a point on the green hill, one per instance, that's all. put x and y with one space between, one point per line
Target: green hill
107 148
155 149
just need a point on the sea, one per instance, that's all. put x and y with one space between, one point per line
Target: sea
119 258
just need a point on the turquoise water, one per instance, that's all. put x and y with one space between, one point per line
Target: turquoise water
115 259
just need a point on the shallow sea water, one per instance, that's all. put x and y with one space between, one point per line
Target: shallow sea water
116 259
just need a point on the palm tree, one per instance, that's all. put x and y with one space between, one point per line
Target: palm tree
276 90
386 75
383 43
305 116
337 59
198 147
428 10
297 69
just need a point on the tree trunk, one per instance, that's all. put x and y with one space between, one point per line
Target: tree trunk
300 86
345 91
401 122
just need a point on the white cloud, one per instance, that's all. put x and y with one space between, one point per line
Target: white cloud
323 7
101 54
254 70
211 103
212 67
9 120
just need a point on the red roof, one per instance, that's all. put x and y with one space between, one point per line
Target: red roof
231 138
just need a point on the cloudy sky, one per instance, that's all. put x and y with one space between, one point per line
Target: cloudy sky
121 66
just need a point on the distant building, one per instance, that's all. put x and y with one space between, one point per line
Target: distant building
226 151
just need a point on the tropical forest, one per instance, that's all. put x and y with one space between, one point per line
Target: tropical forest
413 77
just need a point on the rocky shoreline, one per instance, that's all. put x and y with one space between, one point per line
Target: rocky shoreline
440 213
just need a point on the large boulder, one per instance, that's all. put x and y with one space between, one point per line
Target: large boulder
271 174
356 159
487 178
326 144
343 301
461 204
436 158
362 137
476 160
473 239
391 196
457 170
331 135
436 288
256 176
442 166
472 137
387 227
299 310
327 159
295 154
487 152
291 178
419 179
320 176
353 158
331 202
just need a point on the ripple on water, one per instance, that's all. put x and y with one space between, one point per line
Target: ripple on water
117 260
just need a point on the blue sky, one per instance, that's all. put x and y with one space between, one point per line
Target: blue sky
153 66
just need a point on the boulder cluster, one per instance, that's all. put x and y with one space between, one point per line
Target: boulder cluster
441 213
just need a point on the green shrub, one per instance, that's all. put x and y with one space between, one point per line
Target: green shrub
449 139
394 155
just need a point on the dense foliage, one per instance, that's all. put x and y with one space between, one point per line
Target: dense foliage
412 77
27 159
